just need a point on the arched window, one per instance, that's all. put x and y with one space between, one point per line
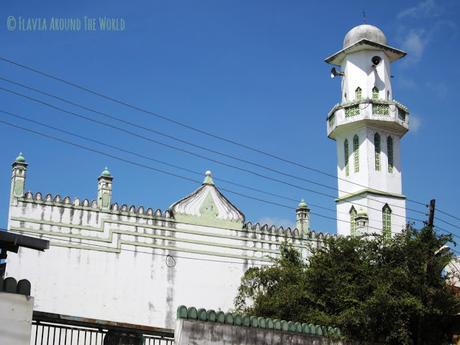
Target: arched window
353 221
375 93
346 155
377 151
390 153
386 221
356 152
358 93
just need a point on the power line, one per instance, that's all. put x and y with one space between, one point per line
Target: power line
163 171
165 163
179 123
117 118
153 159
197 154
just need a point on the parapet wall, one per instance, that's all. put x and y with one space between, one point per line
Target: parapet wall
207 327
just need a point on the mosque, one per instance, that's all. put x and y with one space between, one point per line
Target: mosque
136 264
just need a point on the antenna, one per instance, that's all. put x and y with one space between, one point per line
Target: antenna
364 17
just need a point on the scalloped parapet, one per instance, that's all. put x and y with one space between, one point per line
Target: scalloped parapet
235 319
288 232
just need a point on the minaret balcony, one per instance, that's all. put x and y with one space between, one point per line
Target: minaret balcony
390 115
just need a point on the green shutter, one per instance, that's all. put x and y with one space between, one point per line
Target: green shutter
352 221
377 151
375 93
390 154
346 154
386 221
356 152
358 93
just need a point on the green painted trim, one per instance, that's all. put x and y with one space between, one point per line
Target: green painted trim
223 224
240 229
235 319
158 237
118 248
100 229
370 191
163 219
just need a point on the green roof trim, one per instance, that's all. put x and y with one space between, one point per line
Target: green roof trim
237 319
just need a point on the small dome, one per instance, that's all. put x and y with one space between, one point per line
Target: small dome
302 204
20 158
106 172
364 31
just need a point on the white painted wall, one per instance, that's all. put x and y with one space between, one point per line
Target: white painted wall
114 265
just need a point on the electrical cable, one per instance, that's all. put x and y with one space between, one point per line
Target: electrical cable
171 120
169 164
190 152
163 171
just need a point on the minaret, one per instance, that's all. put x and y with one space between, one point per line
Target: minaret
104 190
18 177
302 217
367 126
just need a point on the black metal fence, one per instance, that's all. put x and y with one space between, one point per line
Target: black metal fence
55 329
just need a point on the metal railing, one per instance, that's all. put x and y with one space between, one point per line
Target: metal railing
57 329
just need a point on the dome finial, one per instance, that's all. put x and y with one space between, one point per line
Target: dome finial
208 177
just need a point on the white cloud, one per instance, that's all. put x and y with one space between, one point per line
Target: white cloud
427 8
414 44
285 223
415 123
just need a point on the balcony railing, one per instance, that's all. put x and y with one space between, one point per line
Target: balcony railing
56 329
392 112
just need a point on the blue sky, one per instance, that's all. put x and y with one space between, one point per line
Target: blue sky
251 71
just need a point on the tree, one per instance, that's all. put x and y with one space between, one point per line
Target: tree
393 291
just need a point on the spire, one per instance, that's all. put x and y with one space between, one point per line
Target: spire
302 217
208 178
104 189
18 177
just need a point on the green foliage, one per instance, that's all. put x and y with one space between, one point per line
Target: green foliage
374 289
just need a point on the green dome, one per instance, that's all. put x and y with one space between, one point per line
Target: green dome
302 204
20 158
106 172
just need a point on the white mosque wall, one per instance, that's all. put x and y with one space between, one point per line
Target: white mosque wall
133 265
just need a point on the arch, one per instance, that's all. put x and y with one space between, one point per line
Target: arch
390 153
346 156
377 151
375 93
386 221
356 152
353 221
358 93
